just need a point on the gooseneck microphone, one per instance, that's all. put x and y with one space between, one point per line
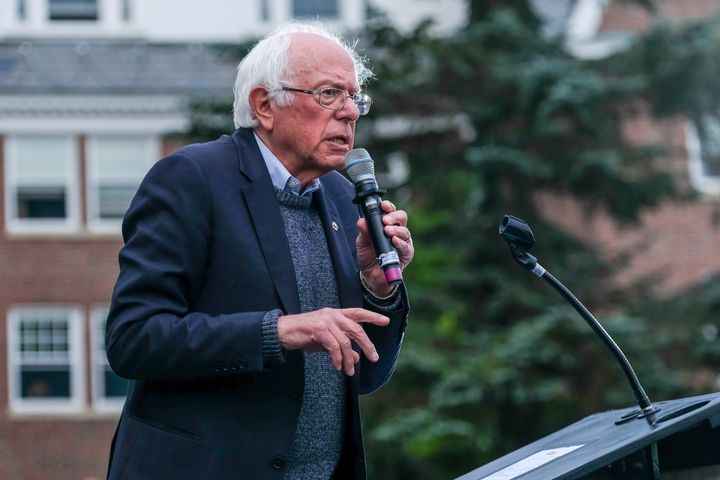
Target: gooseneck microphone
361 170
516 232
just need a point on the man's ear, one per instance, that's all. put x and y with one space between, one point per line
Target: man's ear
261 105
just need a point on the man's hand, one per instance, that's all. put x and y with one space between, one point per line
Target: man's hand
396 229
332 330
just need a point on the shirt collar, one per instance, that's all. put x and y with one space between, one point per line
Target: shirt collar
281 178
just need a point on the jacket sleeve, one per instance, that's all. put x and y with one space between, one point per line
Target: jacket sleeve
387 341
152 332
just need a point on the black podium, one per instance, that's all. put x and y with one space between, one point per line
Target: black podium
677 438
684 443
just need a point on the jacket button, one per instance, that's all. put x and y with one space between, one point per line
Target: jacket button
243 364
278 462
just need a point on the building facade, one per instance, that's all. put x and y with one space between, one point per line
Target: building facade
674 246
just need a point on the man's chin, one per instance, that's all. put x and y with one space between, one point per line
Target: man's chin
335 162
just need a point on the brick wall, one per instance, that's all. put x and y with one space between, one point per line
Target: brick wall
77 270
627 16
674 247
675 244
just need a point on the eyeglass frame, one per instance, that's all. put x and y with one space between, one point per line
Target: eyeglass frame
362 101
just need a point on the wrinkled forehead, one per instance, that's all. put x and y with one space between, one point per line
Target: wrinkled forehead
311 55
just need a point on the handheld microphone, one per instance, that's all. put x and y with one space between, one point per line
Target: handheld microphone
361 170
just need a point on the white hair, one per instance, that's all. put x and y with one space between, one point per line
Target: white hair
266 65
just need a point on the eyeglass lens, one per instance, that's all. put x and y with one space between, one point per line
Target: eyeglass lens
334 98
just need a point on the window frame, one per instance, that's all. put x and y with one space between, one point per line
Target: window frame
21 11
76 402
116 18
703 183
90 20
98 362
71 222
96 224
264 11
331 18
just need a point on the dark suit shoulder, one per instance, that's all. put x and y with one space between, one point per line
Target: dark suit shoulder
206 151
215 159
336 183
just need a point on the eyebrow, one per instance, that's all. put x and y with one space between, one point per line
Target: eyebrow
332 84
336 86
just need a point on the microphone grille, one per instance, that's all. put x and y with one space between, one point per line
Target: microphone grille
358 165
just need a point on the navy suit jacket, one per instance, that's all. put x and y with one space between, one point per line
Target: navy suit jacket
205 257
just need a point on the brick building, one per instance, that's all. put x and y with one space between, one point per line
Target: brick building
675 246
82 121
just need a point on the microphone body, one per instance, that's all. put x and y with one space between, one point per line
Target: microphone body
361 170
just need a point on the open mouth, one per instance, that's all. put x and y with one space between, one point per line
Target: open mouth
339 140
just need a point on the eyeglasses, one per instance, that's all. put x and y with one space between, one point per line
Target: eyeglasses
334 98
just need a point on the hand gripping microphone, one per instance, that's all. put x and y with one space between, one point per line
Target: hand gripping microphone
361 170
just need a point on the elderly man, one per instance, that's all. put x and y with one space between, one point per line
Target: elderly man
250 311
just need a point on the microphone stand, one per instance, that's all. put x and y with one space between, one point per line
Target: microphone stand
520 239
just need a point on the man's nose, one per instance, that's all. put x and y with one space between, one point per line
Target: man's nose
349 110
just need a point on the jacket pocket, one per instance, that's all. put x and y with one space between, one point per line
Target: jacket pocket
174 429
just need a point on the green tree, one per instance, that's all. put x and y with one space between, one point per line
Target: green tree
487 119
493 359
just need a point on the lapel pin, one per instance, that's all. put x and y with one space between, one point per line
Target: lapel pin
335 226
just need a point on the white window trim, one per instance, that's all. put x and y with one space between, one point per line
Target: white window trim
350 14
71 223
37 23
98 358
153 146
338 19
706 184
76 403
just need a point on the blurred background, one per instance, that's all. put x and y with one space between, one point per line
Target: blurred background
598 121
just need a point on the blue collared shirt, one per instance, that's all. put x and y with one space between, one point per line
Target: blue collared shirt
280 176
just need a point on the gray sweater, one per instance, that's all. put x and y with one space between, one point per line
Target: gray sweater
318 438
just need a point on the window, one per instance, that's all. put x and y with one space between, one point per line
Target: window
126 10
709 137
41 191
264 11
45 360
703 141
21 10
73 10
327 9
109 390
116 166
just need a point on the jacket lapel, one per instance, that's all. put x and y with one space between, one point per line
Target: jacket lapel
262 204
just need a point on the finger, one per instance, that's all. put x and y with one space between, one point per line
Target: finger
365 316
356 356
356 332
398 217
388 206
405 250
397 231
330 344
362 226
348 364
